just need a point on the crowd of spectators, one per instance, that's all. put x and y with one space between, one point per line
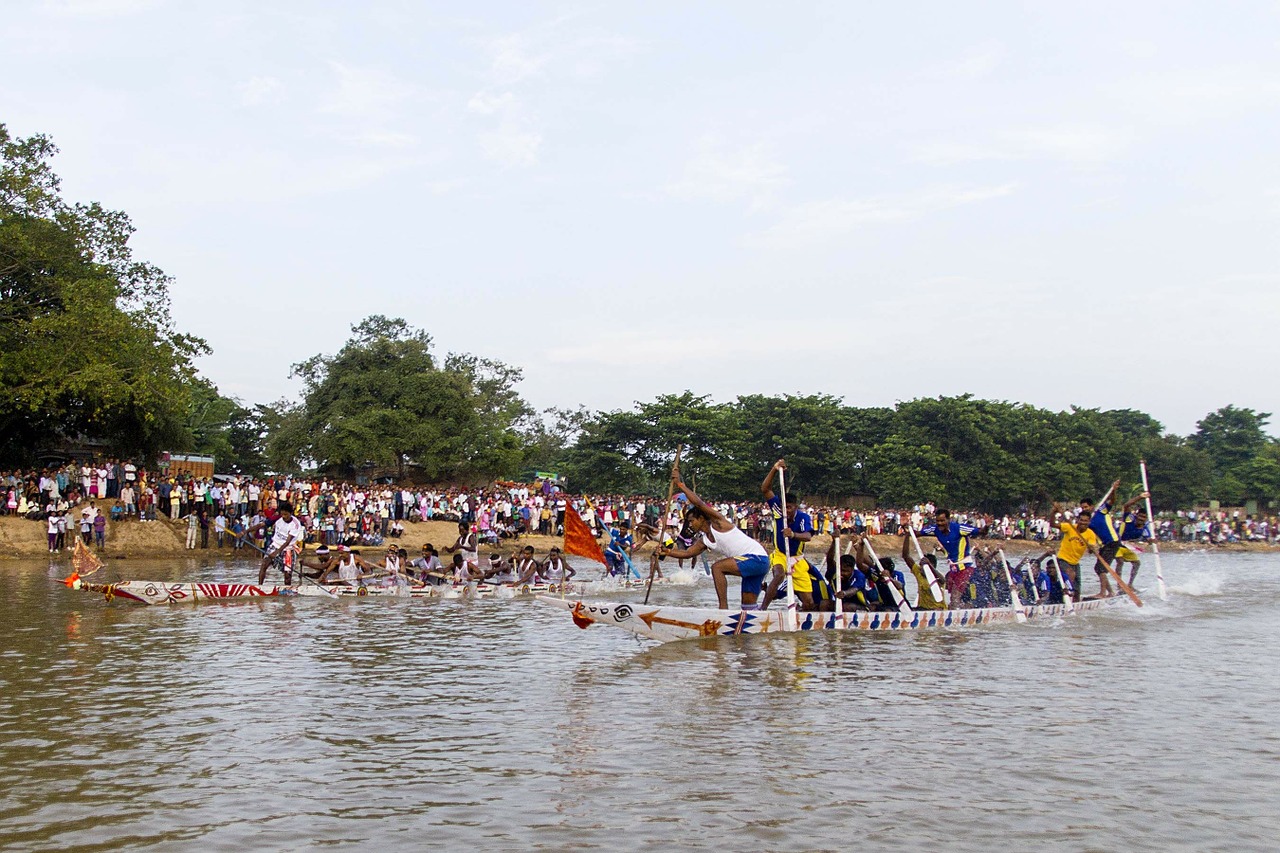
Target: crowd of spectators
79 498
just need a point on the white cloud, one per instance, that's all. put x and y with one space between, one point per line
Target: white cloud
486 104
366 93
511 145
821 221
718 173
96 8
511 59
975 63
1072 143
257 91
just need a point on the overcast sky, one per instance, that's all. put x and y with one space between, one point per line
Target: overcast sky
1031 202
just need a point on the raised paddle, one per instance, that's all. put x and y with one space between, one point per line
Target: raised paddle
1014 600
1155 546
793 608
934 589
662 522
835 551
1128 590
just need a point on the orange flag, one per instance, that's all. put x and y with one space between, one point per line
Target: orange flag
577 537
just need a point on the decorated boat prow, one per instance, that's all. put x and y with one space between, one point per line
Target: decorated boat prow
668 624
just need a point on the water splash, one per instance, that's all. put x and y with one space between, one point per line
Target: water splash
1199 583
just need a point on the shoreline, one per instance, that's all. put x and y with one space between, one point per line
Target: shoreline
22 539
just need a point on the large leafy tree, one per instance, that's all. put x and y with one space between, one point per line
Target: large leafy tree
383 400
87 344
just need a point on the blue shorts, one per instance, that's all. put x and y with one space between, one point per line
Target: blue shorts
753 570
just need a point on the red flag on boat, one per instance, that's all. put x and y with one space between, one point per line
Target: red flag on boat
577 537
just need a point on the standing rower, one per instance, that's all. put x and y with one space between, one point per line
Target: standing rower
286 539
735 552
954 539
789 538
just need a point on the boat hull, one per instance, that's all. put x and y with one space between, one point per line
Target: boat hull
160 592
669 624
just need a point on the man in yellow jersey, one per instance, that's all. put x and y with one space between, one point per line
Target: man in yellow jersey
789 538
924 597
1077 539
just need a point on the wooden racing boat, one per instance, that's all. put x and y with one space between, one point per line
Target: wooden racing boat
668 624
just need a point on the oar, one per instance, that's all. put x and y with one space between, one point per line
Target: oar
934 589
1155 546
839 602
263 551
899 599
1128 590
1068 594
1015 601
793 609
671 493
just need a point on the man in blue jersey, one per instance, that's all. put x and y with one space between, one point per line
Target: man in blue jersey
1134 529
1104 527
954 539
789 538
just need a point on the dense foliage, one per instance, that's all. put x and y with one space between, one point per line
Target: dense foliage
87 346
952 450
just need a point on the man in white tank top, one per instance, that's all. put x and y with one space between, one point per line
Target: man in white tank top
733 551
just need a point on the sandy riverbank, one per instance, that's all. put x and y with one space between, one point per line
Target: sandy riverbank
23 539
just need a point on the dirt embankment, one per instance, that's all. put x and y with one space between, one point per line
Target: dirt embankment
21 538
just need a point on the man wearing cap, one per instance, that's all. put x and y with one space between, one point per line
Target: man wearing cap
428 565
350 567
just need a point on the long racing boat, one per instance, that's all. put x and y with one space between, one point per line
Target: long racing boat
668 624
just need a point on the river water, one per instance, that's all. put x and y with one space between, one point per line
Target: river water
362 723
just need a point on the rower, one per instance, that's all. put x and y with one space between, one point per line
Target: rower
286 538
923 571
1104 527
392 567
954 539
527 567
1077 539
319 562
556 569
789 538
853 583
430 570
500 571
615 553
735 552
1134 529
468 544
349 566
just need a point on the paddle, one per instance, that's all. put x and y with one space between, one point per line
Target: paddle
934 589
835 551
1155 546
1015 601
899 600
263 551
793 609
1068 594
1128 590
662 522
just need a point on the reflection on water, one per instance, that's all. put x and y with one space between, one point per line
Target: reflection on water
280 724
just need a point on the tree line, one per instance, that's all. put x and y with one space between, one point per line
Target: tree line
88 350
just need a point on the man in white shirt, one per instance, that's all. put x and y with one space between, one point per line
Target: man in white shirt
286 540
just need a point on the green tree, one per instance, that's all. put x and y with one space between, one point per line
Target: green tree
382 400
87 344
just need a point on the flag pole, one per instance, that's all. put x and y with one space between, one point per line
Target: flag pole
1155 545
